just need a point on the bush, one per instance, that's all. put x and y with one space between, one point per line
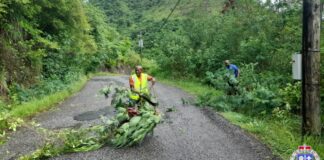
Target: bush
291 96
19 94
260 99
217 79
150 66
129 59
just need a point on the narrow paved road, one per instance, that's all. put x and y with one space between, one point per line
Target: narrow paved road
187 133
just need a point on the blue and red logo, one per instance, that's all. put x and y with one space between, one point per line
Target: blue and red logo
304 153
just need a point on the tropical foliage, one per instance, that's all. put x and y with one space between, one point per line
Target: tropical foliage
47 45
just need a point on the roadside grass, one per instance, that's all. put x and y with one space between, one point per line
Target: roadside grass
38 105
193 87
282 136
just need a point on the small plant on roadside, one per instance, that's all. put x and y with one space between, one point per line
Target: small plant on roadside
8 123
217 79
291 96
105 91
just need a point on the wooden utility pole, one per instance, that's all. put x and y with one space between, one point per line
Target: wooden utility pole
140 45
311 68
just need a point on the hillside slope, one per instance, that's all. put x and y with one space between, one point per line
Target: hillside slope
132 16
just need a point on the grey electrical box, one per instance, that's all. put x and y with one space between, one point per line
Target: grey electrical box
297 66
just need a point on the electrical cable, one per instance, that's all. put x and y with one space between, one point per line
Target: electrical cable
166 20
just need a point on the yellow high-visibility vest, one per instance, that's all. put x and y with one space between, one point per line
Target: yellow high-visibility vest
140 85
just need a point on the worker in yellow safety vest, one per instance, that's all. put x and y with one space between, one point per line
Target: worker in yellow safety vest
138 83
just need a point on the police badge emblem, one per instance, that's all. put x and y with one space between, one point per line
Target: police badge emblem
304 153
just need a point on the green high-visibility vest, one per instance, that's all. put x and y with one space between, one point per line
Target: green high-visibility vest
140 85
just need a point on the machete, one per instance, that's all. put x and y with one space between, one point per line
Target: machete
146 98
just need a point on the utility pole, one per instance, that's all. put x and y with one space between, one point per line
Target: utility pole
311 123
140 44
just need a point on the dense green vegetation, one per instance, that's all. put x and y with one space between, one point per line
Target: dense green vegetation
47 45
46 48
197 38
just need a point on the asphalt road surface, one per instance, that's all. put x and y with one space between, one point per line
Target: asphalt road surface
187 133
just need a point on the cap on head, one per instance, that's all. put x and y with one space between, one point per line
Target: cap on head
227 62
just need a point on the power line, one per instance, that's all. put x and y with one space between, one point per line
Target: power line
166 20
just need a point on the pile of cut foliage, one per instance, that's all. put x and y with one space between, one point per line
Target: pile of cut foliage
131 125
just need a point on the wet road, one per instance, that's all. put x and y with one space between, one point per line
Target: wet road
187 133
